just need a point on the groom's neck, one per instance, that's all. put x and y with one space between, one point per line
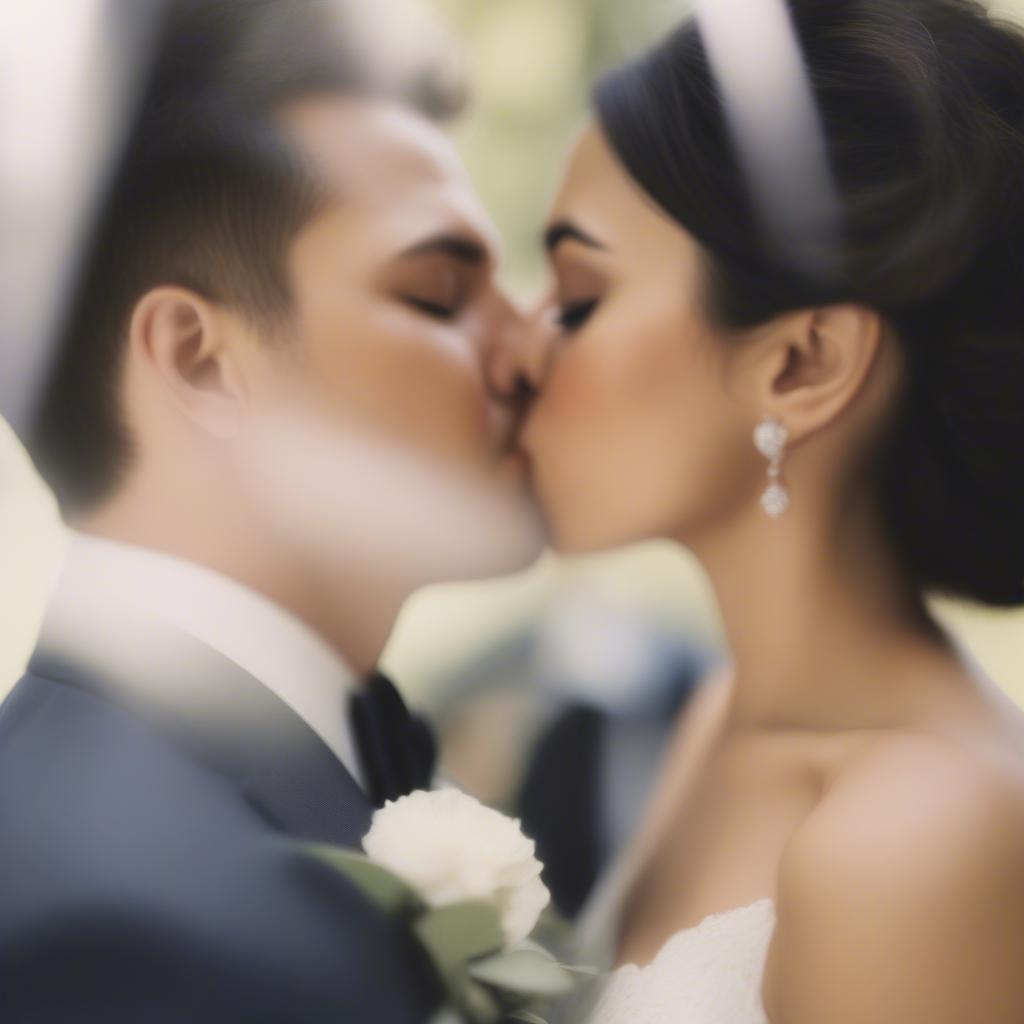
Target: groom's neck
353 610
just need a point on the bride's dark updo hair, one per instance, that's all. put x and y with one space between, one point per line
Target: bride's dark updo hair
922 106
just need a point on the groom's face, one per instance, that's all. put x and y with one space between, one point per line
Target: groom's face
396 313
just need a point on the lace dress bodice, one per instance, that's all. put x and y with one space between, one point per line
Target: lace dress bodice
709 974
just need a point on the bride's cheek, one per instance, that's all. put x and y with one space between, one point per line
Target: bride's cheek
573 390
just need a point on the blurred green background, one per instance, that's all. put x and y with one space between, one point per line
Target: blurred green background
531 62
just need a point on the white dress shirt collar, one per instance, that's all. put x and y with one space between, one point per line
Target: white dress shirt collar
268 642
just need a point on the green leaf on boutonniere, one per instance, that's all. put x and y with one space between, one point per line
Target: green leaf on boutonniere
526 1017
534 947
525 972
458 933
478 1005
580 971
382 887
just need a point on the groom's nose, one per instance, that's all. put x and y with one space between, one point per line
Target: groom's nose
501 360
527 355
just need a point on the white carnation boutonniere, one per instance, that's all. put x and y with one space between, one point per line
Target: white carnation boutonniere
466 879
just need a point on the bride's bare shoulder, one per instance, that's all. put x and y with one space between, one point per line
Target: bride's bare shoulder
905 887
958 764
908 792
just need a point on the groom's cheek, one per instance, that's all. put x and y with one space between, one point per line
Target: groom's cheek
377 365
416 384
389 283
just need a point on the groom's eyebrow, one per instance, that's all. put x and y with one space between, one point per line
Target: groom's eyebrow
567 231
462 248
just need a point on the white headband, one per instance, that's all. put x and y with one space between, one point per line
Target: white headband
755 57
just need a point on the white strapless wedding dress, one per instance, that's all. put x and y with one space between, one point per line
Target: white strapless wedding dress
711 973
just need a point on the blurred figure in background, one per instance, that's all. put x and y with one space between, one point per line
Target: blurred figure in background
279 339
565 725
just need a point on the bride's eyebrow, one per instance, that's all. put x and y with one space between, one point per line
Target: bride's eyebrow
567 231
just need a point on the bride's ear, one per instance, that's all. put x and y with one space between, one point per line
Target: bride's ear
815 364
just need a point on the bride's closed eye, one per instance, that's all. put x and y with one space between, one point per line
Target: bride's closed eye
578 293
571 316
580 286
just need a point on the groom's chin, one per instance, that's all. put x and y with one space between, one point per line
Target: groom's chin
509 544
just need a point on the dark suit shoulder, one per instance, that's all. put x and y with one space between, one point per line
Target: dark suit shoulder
141 884
83 780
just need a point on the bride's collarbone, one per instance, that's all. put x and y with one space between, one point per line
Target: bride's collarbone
720 855
685 872
763 789
700 869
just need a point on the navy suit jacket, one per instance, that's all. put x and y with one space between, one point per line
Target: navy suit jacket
155 867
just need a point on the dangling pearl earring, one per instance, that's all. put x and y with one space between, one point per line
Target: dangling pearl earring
771 438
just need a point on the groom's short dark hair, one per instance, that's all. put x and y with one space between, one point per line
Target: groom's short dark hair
207 195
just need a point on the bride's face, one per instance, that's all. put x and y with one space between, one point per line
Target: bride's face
639 429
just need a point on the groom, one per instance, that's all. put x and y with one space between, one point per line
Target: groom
286 231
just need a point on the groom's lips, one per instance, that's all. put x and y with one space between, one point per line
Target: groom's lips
512 416
511 458
514 462
515 466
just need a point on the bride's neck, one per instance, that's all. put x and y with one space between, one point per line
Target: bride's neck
823 628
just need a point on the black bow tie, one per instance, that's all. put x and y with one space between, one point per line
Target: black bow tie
397 749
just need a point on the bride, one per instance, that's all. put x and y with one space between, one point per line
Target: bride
829 412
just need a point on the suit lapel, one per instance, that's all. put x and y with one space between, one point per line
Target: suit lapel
220 713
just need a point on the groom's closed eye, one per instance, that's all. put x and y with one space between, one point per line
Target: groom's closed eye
438 277
434 287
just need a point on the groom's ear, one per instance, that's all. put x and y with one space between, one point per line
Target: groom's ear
182 344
